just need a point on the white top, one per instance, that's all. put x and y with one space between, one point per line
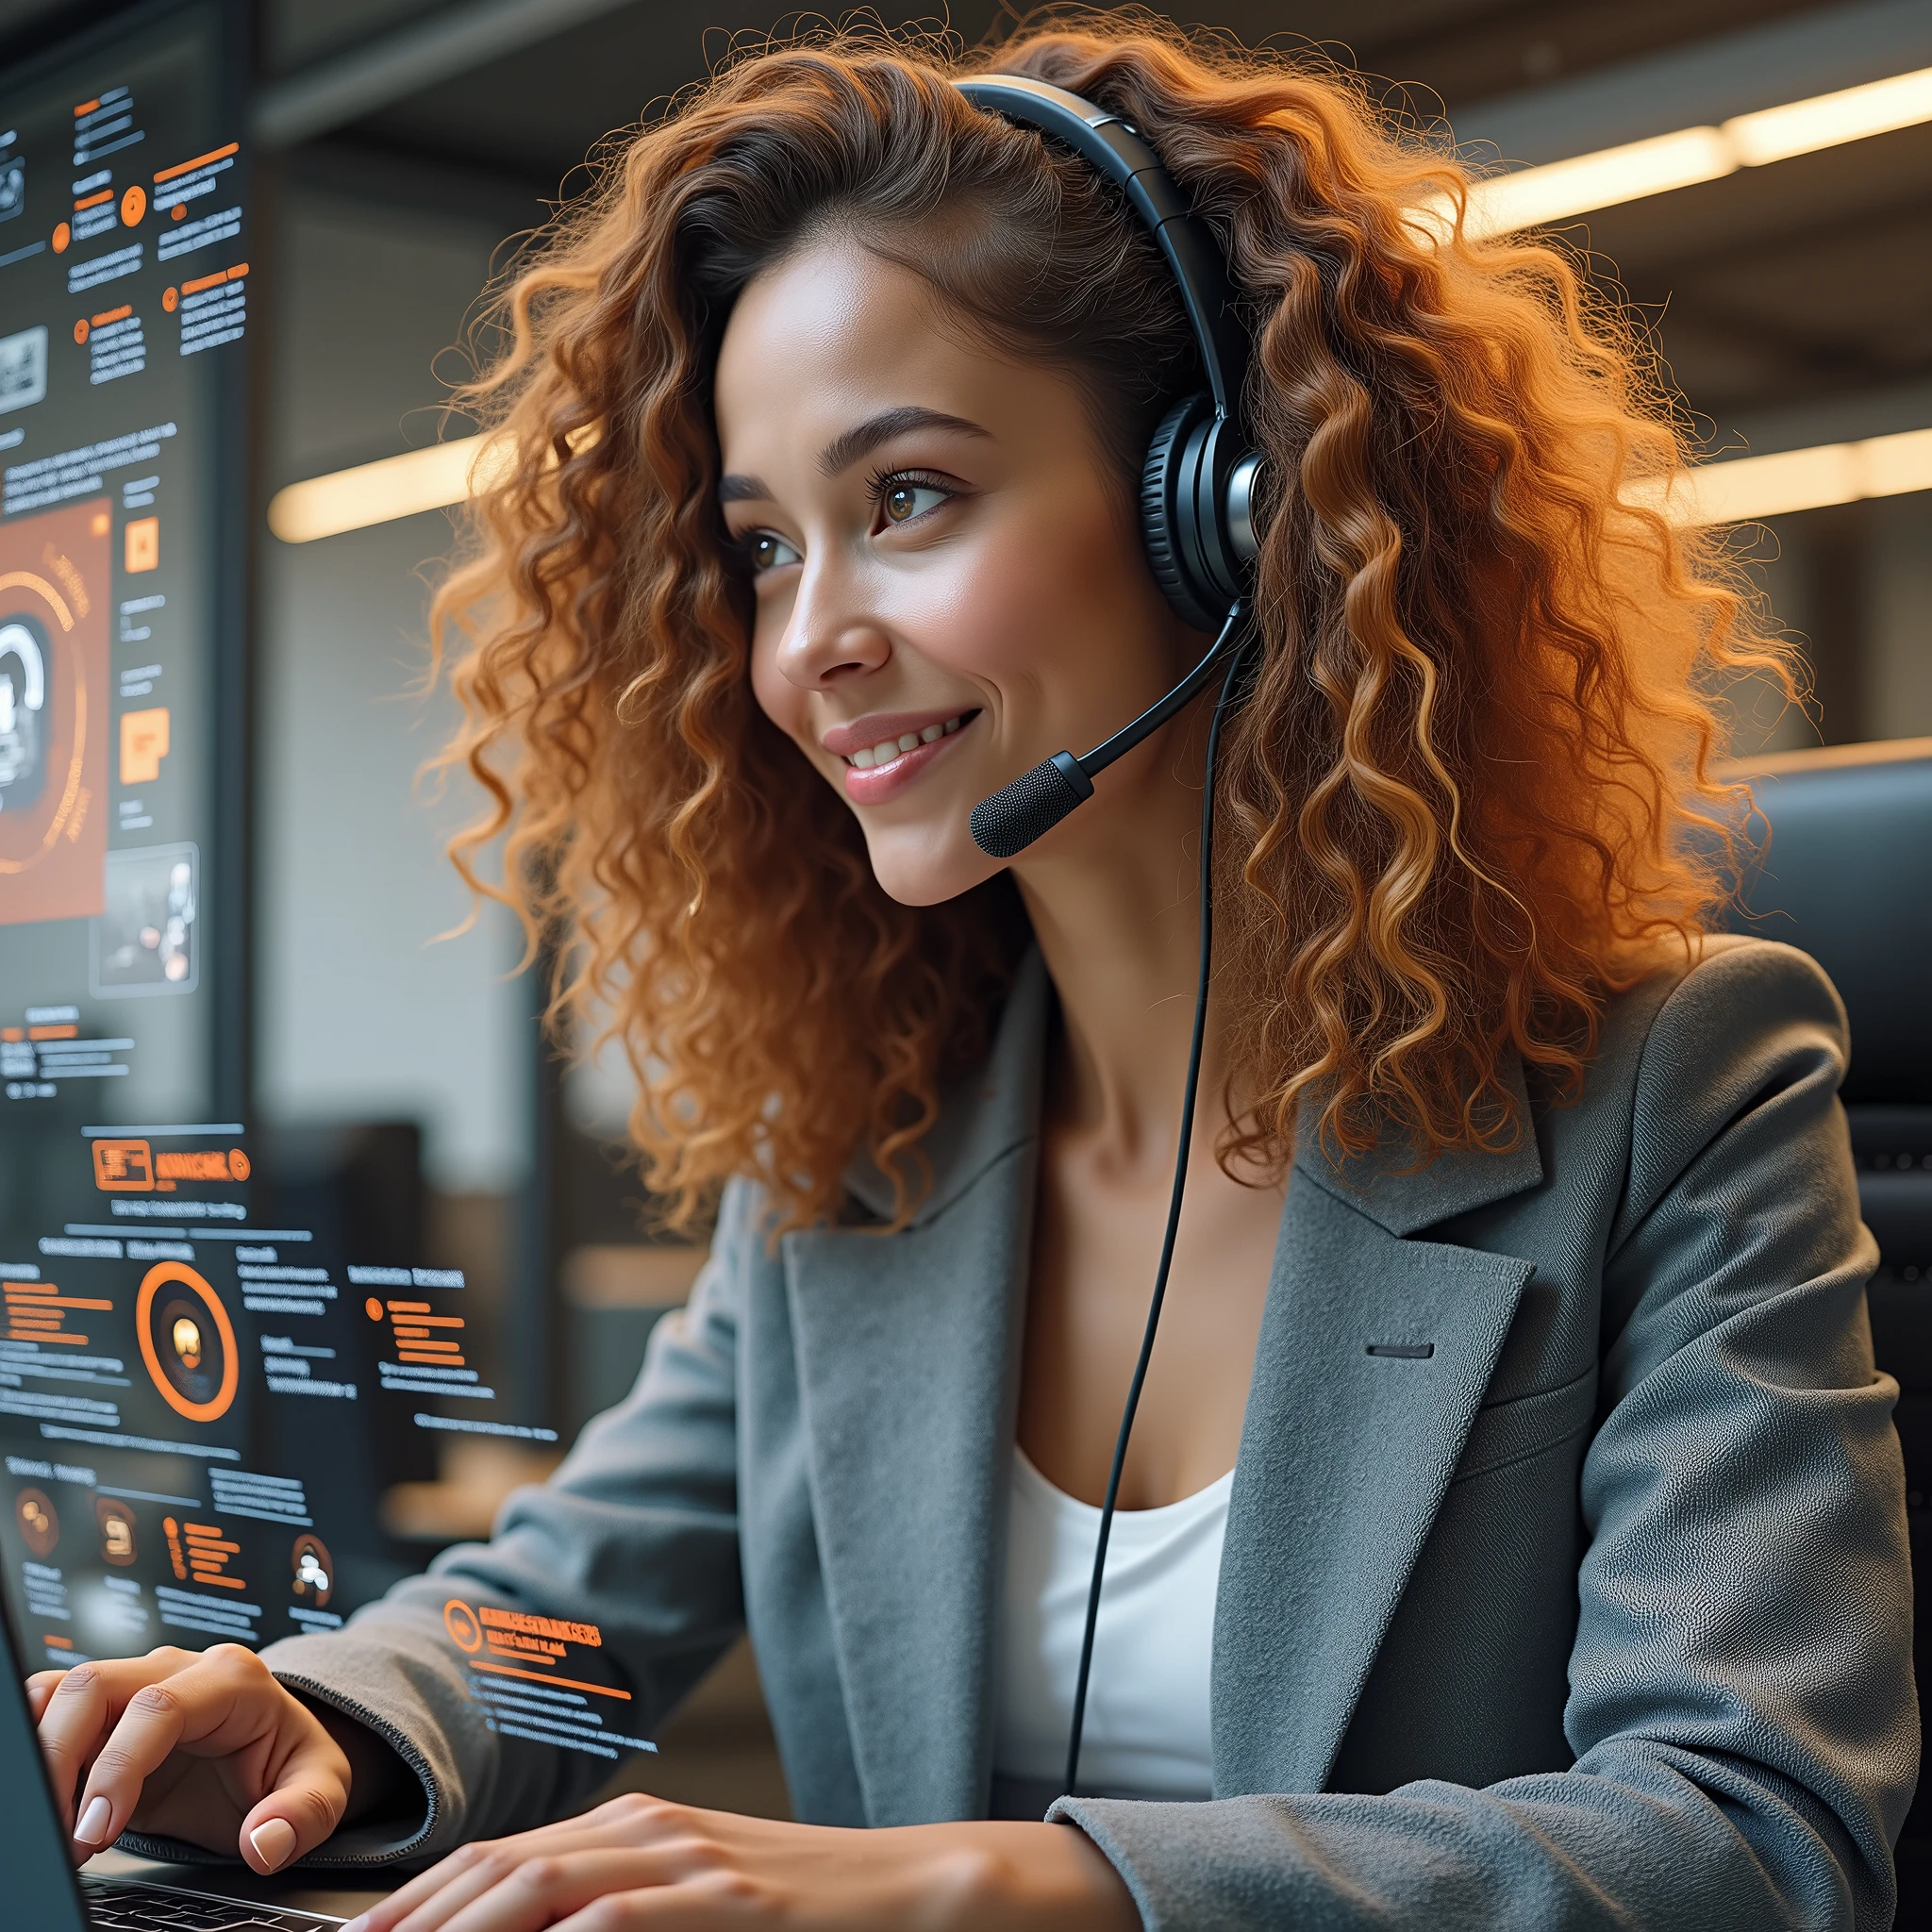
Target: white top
1147 1730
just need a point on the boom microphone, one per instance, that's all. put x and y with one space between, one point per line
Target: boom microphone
1037 801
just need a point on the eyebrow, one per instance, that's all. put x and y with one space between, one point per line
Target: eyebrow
864 438
852 445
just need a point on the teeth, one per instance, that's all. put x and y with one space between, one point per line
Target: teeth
887 749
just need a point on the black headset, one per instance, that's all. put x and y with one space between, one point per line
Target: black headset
1197 503
1199 476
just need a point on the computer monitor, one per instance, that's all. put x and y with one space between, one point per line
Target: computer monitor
193 1405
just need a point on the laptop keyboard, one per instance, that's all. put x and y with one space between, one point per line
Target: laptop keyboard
113 1905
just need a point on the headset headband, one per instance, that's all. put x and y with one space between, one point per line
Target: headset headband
1116 149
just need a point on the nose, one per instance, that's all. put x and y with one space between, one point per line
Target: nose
830 636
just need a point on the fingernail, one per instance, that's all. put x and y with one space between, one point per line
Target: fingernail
92 1827
274 1840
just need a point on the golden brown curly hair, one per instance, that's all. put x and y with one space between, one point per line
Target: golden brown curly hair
1456 802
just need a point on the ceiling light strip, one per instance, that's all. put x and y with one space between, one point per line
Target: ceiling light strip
1747 488
1559 190
379 493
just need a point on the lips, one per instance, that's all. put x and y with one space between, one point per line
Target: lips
882 769
867 757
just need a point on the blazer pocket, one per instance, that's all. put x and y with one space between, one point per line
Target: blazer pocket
1526 1425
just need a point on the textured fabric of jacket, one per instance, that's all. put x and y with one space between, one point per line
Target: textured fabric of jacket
1591 1609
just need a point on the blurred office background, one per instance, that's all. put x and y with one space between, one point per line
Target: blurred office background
404 147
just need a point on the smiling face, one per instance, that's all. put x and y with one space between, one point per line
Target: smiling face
949 584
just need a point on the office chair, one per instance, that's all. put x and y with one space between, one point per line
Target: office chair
1846 874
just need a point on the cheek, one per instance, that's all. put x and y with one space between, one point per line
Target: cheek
1019 607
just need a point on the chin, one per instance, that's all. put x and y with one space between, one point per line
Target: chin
927 871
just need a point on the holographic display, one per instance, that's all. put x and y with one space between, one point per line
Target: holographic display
201 1399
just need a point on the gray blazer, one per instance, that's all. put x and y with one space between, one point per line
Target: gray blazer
1599 1613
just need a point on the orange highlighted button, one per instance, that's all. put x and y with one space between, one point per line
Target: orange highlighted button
143 538
143 745
124 1167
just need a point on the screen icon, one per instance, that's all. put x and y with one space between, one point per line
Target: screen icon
314 1571
142 542
187 1342
124 1167
143 743
117 1532
40 1528
459 1620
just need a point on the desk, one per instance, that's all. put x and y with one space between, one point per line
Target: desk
306 1892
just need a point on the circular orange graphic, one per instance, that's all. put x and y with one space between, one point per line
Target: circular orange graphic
40 1528
180 209
169 297
459 1620
133 205
187 1342
373 1309
237 1165
62 235
80 331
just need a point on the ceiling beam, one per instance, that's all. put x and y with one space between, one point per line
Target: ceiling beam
348 86
1709 81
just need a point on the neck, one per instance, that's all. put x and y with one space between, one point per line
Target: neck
1115 906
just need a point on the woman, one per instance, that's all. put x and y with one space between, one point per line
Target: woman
1513 1531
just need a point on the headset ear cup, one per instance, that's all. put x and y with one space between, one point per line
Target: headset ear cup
1161 494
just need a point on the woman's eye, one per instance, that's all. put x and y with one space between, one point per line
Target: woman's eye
767 550
903 501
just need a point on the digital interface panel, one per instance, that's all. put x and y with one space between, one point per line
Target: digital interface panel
201 1398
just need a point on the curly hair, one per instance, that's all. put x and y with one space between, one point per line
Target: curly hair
1460 804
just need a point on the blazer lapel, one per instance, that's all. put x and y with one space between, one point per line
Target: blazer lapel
909 1373
1374 1354
908 1351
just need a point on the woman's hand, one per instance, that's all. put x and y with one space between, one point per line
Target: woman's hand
200 1745
639 1862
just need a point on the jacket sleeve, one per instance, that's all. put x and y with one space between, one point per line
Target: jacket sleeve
1740 1691
637 1533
